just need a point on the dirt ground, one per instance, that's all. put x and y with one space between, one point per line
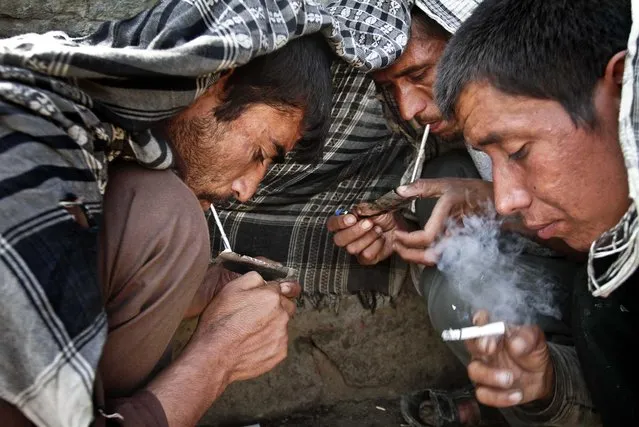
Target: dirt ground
366 413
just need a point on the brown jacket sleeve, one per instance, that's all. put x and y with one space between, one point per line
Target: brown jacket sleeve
142 409
571 404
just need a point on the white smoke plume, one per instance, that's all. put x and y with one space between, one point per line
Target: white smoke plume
481 263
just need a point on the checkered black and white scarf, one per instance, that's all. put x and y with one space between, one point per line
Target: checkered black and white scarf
368 152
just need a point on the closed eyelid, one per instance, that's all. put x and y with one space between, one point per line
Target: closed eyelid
473 147
520 153
423 70
415 69
385 86
382 83
276 153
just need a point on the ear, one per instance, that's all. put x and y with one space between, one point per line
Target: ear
615 67
218 89
212 97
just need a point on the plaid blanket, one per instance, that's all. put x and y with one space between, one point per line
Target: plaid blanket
68 106
286 219
369 152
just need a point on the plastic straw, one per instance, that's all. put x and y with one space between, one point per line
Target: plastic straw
227 245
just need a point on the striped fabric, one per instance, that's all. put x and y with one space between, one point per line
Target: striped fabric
369 152
286 219
448 13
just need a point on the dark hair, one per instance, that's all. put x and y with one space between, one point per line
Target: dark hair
298 75
425 25
544 49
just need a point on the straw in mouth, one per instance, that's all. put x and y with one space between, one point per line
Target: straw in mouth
420 153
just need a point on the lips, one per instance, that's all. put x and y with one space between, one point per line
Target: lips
435 126
544 231
434 122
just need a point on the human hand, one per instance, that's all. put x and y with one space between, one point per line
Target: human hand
513 369
241 334
247 323
369 239
217 276
215 279
458 197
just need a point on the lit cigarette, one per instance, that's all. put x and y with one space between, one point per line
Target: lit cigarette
491 329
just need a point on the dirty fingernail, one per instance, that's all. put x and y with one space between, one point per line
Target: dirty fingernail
518 345
475 318
483 344
515 397
367 225
504 378
349 220
285 287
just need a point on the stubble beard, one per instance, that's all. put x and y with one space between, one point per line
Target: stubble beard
196 146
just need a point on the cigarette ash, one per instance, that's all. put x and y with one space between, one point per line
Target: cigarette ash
480 262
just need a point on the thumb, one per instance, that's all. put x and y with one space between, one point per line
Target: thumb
290 289
250 280
481 317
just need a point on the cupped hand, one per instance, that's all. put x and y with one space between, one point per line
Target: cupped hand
457 197
248 320
513 369
215 279
368 239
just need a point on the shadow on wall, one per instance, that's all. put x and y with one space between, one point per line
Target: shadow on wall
76 17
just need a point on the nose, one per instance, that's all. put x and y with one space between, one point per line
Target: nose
245 186
410 101
243 189
511 194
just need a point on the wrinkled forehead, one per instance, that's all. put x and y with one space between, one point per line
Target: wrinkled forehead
287 127
477 112
283 126
488 115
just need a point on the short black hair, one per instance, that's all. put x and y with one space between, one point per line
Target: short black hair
426 25
544 49
297 75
